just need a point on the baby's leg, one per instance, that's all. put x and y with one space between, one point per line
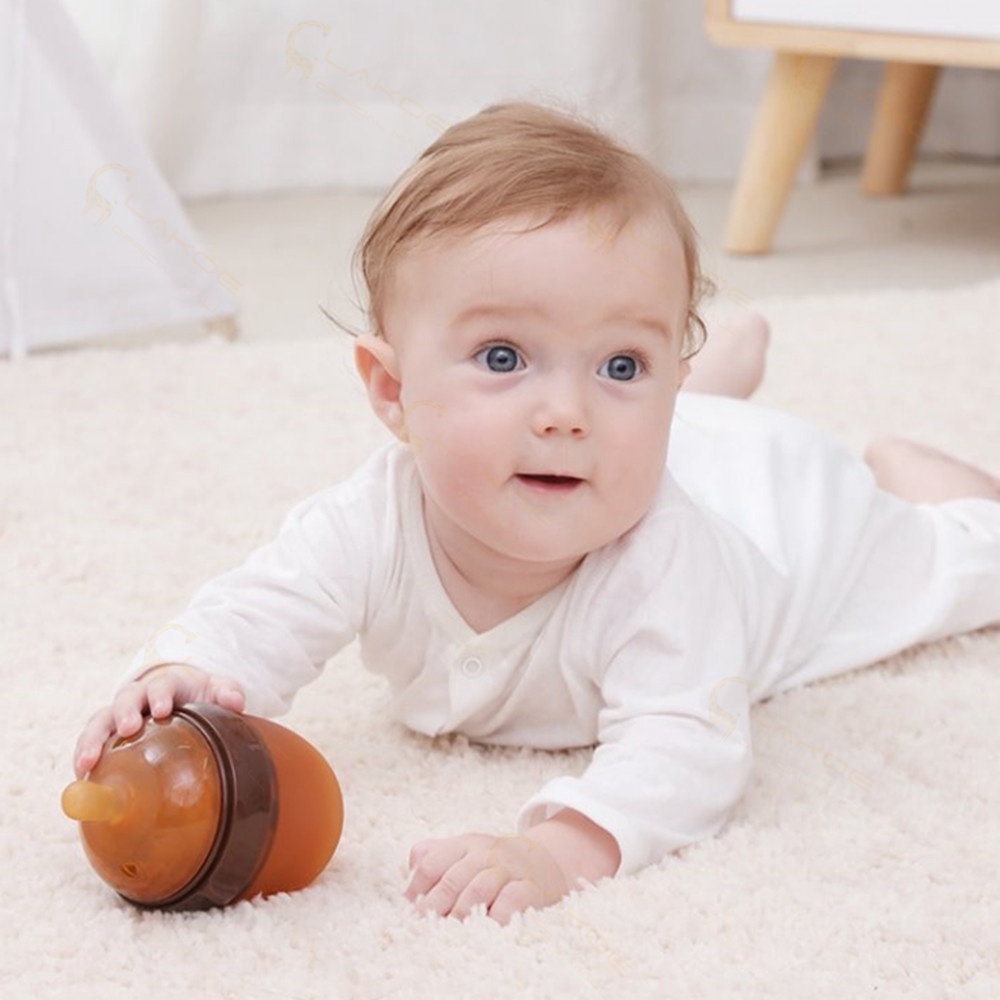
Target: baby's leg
732 361
921 474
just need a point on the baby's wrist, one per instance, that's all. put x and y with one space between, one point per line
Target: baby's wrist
581 848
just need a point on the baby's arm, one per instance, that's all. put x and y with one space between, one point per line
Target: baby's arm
660 780
663 777
675 752
250 638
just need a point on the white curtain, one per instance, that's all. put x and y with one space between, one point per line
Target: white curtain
244 97
93 240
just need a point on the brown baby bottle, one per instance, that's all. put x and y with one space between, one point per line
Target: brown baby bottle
205 808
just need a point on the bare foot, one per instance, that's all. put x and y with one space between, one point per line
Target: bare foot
922 474
732 361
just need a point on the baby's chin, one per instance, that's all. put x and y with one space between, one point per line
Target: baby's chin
509 537
547 553
551 542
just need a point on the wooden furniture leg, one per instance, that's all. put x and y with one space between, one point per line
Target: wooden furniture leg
904 101
785 123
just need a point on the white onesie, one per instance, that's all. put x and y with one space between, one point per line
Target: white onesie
768 559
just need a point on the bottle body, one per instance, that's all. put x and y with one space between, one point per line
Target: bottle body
206 808
310 816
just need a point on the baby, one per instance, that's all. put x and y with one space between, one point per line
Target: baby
562 549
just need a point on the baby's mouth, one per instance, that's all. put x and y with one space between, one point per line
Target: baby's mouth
549 482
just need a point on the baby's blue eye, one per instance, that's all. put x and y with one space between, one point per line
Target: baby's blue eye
506 355
623 364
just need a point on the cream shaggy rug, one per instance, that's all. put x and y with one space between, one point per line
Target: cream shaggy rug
131 476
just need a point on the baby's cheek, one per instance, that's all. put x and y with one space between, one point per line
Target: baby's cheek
455 481
469 480
462 456
629 487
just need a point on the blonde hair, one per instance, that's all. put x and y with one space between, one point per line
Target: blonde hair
511 159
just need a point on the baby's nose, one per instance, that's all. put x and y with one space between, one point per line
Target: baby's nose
562 410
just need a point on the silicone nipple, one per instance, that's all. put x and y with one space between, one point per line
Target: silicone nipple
90 802
205 808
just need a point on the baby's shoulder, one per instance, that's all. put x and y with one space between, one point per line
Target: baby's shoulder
353 519
368 488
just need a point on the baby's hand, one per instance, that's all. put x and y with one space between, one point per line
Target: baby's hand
505 874
158 690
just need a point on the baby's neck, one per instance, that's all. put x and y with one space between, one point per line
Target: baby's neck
488 590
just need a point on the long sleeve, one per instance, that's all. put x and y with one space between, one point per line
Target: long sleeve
674 753
273 622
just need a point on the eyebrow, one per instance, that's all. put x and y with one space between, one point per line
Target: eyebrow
650 323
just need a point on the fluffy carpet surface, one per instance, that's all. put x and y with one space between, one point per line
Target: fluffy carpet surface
862 861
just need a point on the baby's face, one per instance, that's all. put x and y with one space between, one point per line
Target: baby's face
554 351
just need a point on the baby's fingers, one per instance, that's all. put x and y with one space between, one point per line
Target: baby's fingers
179 684
128 708
175 685
91 742
159 692
123 717
227 693
429 860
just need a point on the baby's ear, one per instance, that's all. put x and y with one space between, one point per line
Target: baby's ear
378 366
372 353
